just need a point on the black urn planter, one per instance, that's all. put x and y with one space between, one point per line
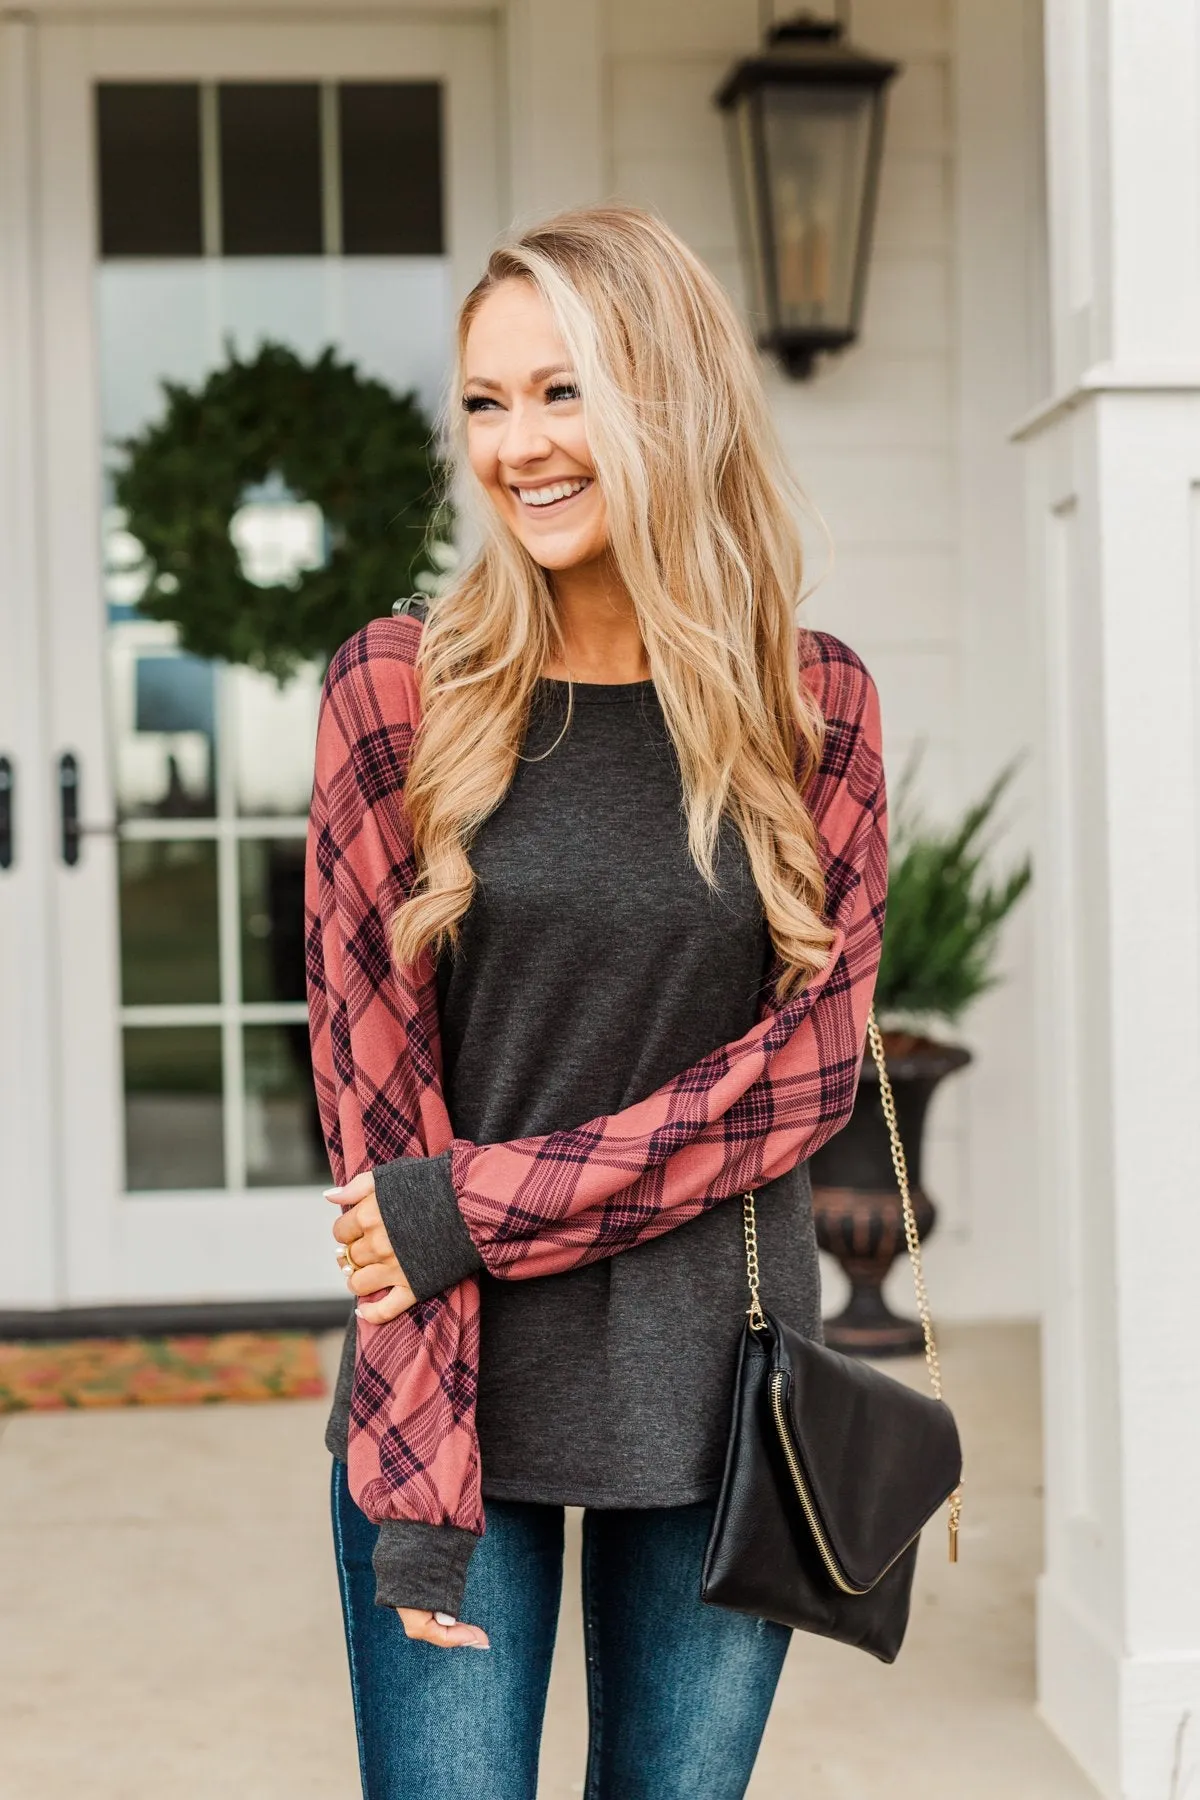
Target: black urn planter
859 1217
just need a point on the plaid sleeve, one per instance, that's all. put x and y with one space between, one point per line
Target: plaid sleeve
413 1453
750 1110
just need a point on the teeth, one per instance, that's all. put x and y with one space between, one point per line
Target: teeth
558 490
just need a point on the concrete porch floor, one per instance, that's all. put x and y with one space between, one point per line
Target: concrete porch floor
169 1622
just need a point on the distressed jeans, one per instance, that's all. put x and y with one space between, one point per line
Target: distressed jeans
678 1691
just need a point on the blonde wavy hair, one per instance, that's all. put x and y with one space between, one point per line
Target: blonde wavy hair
703 532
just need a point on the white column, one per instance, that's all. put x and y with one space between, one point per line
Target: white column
1114 508
30 1264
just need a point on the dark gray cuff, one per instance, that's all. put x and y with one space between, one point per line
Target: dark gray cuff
422 1565
419 1209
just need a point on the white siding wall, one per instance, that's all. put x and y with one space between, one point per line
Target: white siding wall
901 445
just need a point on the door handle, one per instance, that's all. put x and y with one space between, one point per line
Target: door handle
7 782
70 829
68 807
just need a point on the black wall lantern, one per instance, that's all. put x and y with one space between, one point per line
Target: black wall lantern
805 121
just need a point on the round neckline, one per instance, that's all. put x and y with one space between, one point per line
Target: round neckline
595 693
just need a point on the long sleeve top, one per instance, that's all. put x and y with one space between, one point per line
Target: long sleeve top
593 963
541 1204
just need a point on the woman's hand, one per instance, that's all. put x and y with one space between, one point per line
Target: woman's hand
441 1629
366 1256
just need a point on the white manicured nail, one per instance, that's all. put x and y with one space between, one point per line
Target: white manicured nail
445 1619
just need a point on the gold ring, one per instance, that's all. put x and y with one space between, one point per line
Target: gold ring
345 1261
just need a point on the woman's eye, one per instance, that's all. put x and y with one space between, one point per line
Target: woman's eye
473 403
562 390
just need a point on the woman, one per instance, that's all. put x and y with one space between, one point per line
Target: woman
595 894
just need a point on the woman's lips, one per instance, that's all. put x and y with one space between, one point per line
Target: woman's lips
545 507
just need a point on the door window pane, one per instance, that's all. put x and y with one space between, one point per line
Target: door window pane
149 165
284 1145
169 953
274 731
271 873
270 169
164 724
391 161
269 198
174 1128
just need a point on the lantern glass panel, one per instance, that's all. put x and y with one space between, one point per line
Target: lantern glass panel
743 160
818 143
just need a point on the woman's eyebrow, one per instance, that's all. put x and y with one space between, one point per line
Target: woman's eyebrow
535 378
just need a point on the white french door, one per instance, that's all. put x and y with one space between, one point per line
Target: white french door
196 190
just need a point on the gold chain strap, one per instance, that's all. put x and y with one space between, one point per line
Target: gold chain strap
900 1165
750 1227
911 1238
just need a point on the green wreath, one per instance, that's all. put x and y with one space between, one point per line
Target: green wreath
346 442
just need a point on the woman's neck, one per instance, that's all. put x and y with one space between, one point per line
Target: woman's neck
601 639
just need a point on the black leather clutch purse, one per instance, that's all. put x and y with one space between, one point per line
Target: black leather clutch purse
832 1470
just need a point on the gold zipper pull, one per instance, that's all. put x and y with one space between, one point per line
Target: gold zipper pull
955 1515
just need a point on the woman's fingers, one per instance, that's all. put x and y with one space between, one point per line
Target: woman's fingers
363 1217
359 1223
369 1246
361 1187
372 1276
371 1266
390 1306
429 1628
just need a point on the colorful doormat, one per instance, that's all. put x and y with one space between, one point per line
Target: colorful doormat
159 1371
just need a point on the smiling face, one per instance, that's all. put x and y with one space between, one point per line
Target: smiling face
525 430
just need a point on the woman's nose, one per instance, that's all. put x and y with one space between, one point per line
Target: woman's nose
524 439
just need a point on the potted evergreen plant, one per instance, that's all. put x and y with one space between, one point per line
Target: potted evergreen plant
944 916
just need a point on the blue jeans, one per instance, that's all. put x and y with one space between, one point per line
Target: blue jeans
678 1692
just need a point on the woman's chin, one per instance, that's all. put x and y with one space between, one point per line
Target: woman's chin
555 552
560 544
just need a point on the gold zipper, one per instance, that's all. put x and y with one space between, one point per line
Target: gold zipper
778 1389
778 1384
